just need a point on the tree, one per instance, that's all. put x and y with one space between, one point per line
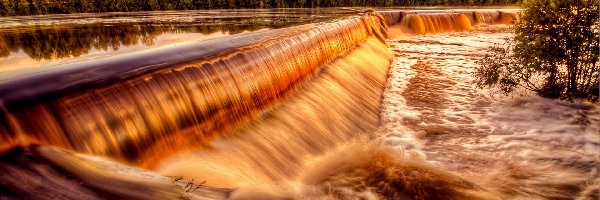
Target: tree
28 7
2 9
38 7
22 7
554 52
152 5
8 8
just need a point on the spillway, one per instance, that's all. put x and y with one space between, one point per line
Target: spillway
318 111
130 107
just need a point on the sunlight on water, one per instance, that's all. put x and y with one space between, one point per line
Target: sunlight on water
142 119
340 103
344 109
436 23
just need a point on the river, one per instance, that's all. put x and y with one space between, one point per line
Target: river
325 105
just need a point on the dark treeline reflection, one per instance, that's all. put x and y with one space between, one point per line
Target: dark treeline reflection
62 36
62 41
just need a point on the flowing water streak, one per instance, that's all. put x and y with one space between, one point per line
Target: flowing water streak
424 22
488 17
341 103
436 23
155 114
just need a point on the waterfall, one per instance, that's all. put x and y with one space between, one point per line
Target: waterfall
250 110
140 107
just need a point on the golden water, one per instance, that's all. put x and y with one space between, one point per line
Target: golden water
436 23
326 111
147 118
340 103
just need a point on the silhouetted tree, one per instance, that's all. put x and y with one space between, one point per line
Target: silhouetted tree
554 52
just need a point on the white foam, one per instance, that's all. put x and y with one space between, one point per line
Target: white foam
521 144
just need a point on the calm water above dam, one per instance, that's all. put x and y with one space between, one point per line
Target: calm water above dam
33 43
279 104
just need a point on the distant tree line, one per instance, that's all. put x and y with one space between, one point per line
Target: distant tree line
37 7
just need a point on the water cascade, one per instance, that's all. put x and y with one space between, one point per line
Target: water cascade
424 22
163 105
436 23
341 103
293 111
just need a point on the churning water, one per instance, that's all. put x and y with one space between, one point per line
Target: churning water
522 147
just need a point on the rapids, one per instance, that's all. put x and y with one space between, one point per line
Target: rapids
518 147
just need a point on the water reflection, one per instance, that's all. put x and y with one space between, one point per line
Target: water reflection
55 42
34 41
